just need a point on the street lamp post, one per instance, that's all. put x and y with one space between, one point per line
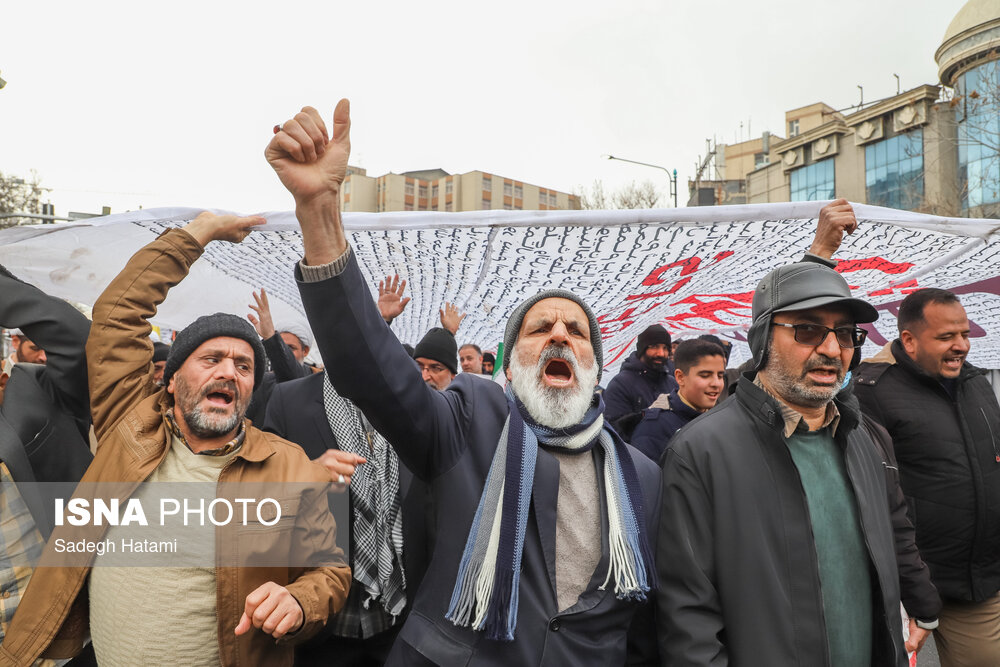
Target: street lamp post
671 175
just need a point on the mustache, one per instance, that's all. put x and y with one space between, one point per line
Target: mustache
557 351
821 360
221 385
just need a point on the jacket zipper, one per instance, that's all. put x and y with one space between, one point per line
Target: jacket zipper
996 452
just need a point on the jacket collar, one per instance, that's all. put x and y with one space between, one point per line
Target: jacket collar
256 447
766 409
678 405
634 364
903 360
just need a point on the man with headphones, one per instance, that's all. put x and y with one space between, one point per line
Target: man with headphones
775 544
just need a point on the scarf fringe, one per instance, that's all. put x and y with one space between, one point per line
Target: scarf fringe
486 593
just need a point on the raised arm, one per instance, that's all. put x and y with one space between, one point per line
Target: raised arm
59 329
119 351
451 317
835 219
363 359
391 303
283 362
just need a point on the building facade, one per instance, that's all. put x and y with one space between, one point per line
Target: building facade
437 190
933 149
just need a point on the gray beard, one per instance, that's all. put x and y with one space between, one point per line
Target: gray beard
551 406
205 424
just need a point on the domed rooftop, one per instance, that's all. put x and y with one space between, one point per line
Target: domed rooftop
973 32
975 12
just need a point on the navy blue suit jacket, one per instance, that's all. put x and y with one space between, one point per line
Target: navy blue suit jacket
448 439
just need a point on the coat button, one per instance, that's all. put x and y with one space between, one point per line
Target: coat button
554 625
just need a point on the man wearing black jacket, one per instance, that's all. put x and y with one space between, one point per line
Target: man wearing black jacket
44 421
945 425
775 543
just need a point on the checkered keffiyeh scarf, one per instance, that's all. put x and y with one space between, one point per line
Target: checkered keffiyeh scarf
486 589
377 535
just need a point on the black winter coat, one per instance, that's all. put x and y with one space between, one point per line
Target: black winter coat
633 390
948 451
738 572
45 414
448 438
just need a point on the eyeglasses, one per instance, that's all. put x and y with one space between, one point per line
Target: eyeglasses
815 334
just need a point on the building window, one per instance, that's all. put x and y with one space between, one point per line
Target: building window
518 192
487 184
761 160
486 204
423 191
408 206
793 128
422 207
448 207
408 189
508 189
894 171
347 186
979 136
447 187
553 199
508 207
813 183
434 191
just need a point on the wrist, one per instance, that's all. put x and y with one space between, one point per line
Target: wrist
198 232
822 251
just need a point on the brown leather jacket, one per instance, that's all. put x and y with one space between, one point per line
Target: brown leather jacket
128 411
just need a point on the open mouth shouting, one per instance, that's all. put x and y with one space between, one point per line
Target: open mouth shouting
557 372
221 395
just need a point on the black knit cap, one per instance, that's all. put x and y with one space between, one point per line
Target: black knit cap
160 351
207 327
517 318
438 344
654 334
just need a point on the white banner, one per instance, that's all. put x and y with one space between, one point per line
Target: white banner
692 269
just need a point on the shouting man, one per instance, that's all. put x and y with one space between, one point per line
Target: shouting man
191 430
541 510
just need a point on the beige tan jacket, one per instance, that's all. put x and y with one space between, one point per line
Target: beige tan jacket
128 411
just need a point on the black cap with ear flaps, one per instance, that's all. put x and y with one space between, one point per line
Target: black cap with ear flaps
800 286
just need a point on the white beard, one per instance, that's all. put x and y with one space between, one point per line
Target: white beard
554 407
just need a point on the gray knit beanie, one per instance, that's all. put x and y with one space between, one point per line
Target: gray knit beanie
207 327
517 317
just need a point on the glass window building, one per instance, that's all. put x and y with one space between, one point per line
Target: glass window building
979 135
894 171
814 182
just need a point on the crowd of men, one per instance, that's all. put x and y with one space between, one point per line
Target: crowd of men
813 509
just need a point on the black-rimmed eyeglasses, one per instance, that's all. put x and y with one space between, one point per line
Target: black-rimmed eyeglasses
815 334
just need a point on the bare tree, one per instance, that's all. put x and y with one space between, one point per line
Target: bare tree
633 195
18 195
642 195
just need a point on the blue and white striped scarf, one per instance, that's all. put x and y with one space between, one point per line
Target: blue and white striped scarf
486 590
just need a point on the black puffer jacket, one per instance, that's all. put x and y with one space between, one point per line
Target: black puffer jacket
633 390
948 451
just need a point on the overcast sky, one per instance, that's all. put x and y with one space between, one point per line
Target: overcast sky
132 104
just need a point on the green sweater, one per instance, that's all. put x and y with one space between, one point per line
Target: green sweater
840 549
